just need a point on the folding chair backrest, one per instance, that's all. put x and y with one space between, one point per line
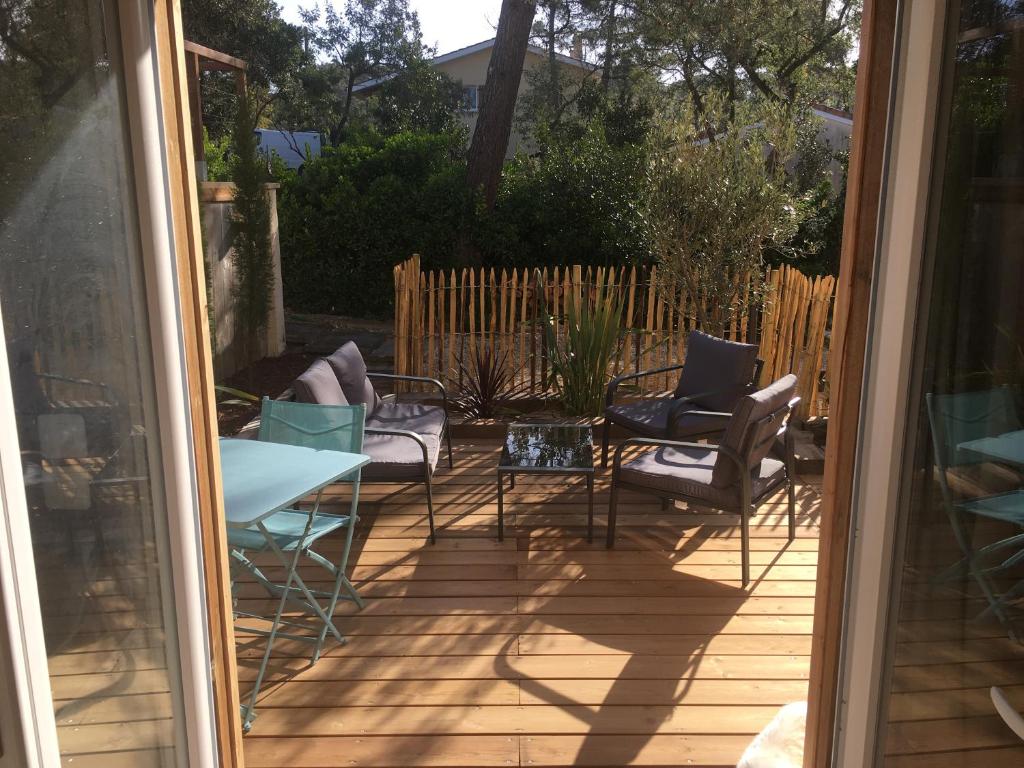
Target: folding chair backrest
324 427
964 416
716 365
754 427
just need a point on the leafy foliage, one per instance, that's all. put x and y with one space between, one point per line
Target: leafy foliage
252 254
363 207
719 199
368 39
581 201
252 30
488 383
419 98
579 359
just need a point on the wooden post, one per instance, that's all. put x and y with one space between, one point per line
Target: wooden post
849 340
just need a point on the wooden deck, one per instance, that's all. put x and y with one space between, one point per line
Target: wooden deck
544 650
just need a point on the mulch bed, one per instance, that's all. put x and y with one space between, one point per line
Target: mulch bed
270 376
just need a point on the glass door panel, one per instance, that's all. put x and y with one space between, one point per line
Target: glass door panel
78 342
956 623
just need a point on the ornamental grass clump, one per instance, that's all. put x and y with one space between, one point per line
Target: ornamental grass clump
579 356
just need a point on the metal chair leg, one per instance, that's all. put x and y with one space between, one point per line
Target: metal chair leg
501 507
448 437
613 504
606 436
792 510
745 543
430 508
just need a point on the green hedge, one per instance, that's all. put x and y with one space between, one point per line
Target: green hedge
365 206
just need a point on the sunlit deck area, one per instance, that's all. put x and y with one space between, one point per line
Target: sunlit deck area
544 649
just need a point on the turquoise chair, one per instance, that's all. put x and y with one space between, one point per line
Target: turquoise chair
955 419
323 427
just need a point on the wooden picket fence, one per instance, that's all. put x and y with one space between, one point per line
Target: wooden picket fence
440 315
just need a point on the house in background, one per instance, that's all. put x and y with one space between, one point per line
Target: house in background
469 66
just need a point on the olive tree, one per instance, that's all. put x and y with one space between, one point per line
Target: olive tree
720 197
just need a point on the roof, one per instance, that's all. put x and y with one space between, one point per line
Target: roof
469 50
831 113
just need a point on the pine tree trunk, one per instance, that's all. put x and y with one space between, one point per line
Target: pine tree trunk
494 122
609 47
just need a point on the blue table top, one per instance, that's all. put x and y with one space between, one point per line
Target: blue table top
1008 447
262 478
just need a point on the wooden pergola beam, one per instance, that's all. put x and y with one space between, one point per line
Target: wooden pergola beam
210 55
199 59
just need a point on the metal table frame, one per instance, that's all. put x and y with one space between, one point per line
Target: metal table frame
238 518
505 469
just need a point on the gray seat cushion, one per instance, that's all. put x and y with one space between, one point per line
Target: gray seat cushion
411 417
318 384
713 365
645 417
350 369
687 472
398 458
649 417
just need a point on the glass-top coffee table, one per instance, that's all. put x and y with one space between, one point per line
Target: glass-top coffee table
560 449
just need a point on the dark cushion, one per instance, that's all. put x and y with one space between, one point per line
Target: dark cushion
412 417
398 458
350 369
749 438
649 417
715 365
319 385
688 472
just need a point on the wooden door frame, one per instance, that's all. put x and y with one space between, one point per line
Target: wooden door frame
847 359
185 218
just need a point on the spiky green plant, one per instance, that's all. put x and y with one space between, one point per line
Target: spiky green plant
579 358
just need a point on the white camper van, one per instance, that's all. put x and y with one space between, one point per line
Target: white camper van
291 146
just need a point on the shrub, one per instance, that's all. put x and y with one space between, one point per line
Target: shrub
580 201
361 208
719 201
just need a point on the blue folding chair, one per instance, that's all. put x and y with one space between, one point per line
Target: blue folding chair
956 419
292 533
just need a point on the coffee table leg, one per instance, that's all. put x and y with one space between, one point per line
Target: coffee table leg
590 506
501 508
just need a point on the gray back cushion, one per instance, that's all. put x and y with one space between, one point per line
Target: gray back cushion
747 435
319 385
350 369
713 365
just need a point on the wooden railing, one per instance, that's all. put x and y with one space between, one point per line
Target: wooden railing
440 314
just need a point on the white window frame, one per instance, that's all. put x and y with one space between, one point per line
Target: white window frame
35 727
887 383
475 107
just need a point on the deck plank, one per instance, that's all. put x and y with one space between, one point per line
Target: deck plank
544 649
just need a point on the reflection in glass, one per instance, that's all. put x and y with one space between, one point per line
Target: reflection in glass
956 621
77 342
543 446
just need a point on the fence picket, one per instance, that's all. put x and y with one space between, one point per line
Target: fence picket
436 323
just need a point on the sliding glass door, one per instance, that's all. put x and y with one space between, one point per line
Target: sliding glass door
935 638
96 386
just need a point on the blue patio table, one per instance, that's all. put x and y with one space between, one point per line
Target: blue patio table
1007 448
260 479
